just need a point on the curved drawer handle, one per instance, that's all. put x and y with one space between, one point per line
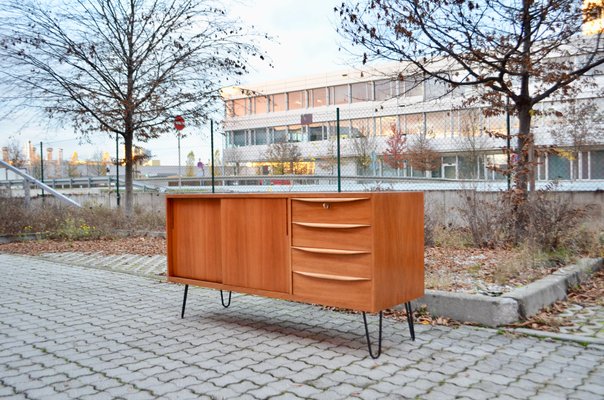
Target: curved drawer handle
330 226
332 277
330 251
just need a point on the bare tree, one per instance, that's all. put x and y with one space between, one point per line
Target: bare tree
330 160
121 66
421 154
363 147
579 124
13 153
523 50
396 148
234 156
473 142
190 164
284 156
97 164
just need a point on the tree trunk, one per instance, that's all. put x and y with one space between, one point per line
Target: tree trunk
128 137
523 170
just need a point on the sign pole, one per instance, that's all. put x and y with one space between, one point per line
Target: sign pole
179 125
179 174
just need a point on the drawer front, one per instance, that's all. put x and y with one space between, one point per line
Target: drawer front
330 292
354 265
358 238
332 210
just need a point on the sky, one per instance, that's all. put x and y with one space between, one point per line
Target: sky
305 43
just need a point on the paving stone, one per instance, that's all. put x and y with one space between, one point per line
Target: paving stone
93 333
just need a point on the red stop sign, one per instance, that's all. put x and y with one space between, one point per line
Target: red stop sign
179 123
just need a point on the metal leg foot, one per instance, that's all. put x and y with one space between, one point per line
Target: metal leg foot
410 319
222 299
184 301
369 341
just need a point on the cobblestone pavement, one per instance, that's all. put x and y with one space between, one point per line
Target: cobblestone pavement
71 332
586 321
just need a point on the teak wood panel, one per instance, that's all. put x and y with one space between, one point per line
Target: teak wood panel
332 292
334 238
327 210
358 265
255 243
399 251
194 248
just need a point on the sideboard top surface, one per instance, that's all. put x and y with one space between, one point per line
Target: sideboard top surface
283 194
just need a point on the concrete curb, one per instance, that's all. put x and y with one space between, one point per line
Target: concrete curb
511 307
556 336
21 238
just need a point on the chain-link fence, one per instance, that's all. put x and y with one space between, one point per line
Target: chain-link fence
357 149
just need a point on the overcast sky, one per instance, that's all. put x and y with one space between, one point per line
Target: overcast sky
306 43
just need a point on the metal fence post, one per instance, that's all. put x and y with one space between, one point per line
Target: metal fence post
338 149
212 151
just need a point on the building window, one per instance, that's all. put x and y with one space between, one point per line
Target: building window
470 123
317 132
385 89
338 94
413 86
296 133
449 167
412 124
239 108
319 97
295 100
386 126
261 106
259 136
558 167
239 138
434 89
596 163
438 124
279 134
277 102
360 91
362 127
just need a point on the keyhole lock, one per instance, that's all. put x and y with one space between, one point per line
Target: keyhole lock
326 205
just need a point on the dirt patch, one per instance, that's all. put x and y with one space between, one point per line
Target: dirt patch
145 246
463 270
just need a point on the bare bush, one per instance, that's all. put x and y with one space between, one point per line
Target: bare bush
71 223
551 224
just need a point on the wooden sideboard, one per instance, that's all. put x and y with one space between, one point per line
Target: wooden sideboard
363 251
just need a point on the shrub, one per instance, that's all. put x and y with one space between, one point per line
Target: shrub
545 221
89 222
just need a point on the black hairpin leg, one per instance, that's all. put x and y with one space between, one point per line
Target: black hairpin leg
410 319
222 299
184 302
369 341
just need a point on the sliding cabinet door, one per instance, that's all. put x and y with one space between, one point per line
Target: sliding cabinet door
194 239
255 243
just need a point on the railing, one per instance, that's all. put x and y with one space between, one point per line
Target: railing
249 183
81 182
41 185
